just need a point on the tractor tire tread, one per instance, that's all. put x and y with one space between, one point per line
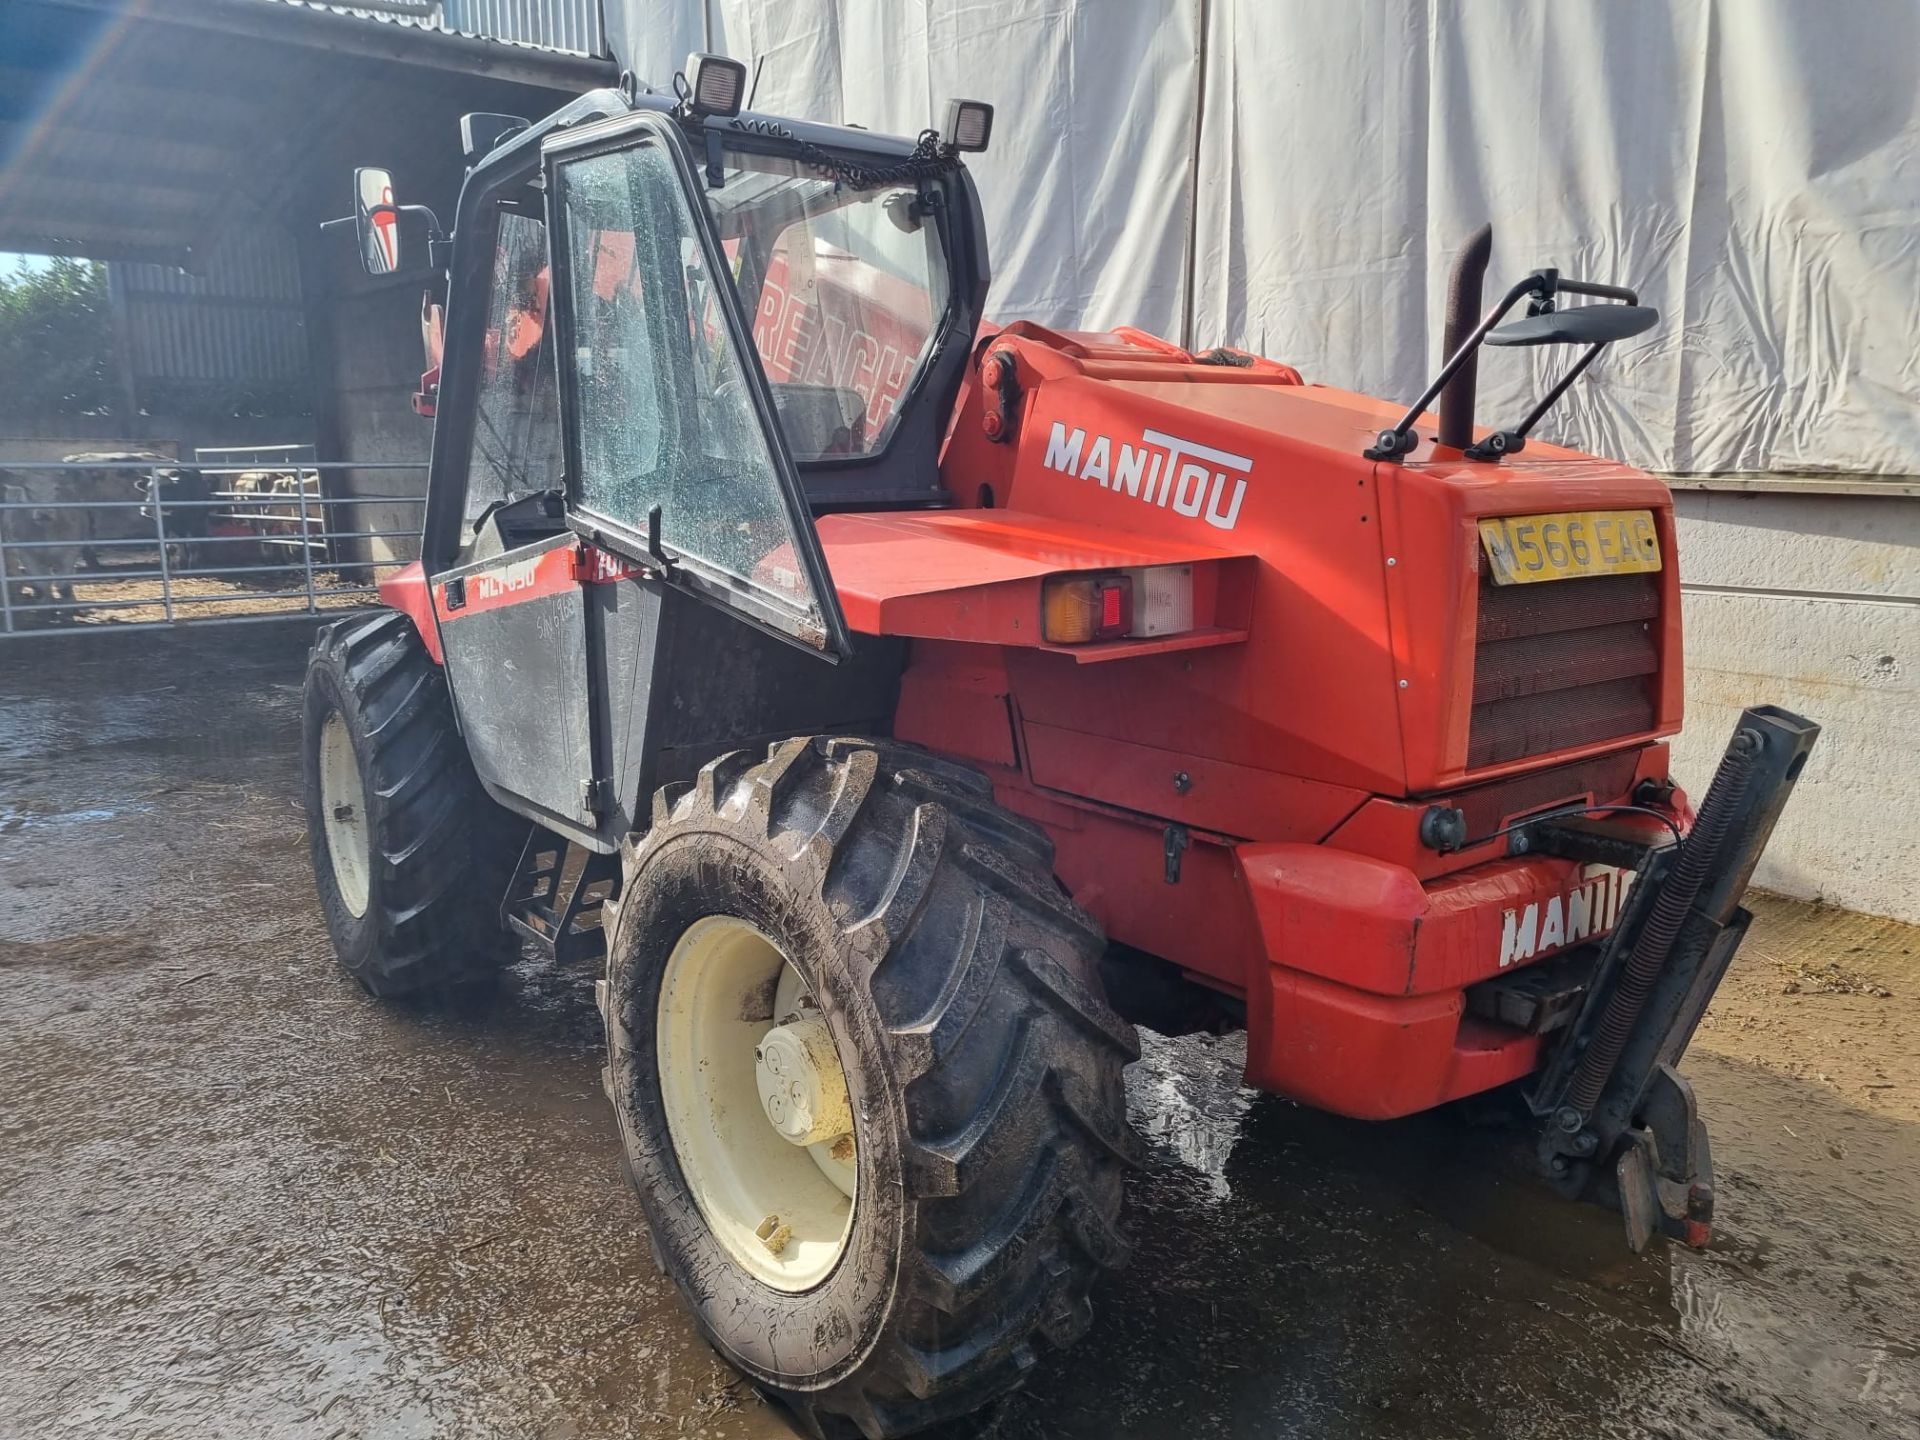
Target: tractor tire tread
441 849
1032 1108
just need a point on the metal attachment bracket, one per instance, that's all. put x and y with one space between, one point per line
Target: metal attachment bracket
1174 847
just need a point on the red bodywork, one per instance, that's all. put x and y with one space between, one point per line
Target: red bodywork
1324 699
1331 677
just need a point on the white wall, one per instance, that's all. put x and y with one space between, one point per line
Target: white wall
1752 166
1813 602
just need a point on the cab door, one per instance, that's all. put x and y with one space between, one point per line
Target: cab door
506 592
675 459
609 616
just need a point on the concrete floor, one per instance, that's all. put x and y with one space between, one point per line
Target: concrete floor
237 1198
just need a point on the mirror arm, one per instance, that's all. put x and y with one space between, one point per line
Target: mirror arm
1511 442
1542 285
1604 292
435 235
1552 397
1392 444
439 243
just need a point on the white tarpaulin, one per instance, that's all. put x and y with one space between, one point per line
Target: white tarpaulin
1751 166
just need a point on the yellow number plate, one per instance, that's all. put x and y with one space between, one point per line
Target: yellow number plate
1523 549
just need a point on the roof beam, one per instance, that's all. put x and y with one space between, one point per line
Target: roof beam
75 198
102 155
140 244
118 100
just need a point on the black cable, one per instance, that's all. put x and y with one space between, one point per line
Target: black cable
1661 816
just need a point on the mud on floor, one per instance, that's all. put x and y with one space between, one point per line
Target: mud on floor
239 1199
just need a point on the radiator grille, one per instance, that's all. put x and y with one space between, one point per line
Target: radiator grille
1562 663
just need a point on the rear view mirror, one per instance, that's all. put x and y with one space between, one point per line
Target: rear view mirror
1578 325
376 220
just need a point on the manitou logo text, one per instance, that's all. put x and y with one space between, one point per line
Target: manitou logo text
1583 913
1161 470
506 580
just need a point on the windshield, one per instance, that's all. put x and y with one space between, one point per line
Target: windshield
847 289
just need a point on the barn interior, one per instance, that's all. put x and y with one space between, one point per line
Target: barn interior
197 147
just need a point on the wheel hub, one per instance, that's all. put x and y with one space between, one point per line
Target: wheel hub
756 1103
802 1087
341 798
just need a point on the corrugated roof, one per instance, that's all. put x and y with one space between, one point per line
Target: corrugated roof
569 27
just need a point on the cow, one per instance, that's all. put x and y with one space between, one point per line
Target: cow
115 517
42 544
294 519
249 514
188 520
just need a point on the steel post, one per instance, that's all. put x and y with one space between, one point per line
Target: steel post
306 539
160 534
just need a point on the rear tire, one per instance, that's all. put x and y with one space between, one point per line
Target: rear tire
983 1069
410 855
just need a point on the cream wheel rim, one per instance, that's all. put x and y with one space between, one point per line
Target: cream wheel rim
756 1103
343 804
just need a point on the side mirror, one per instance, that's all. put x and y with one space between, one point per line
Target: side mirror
1578 325
376 220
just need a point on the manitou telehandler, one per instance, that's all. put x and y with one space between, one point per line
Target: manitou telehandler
903 708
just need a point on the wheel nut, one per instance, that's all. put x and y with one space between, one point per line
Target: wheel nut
774 1234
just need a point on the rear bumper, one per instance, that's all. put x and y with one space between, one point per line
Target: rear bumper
1363 1004
1361 1008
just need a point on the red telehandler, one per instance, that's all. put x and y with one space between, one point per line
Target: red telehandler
902 708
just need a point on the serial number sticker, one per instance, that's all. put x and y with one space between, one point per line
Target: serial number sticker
1526 549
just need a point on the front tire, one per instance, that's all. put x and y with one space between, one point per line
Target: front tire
410 856
982 1074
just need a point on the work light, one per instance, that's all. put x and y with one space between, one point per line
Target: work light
715 84
969 124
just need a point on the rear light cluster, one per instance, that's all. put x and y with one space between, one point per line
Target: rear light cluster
1134 604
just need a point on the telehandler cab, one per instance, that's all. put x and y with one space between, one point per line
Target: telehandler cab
902 708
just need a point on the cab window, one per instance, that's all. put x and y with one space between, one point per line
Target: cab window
846 289
664 414
516 433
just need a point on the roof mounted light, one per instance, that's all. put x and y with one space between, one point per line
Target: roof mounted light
969 124
715 85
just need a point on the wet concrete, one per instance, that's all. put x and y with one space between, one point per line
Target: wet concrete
238 1198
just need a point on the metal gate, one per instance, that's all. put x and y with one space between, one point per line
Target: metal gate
138 542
